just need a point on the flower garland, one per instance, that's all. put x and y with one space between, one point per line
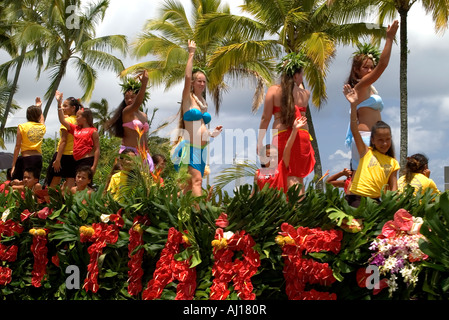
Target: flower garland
396 249
101 234
298 271
9 254
239 271
135 272
39 250
169 270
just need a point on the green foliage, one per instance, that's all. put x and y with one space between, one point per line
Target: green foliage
259 213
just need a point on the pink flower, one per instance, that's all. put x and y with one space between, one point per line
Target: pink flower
222 220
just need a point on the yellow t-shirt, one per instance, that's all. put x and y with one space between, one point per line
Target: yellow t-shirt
118 181
418 181
32 135
373 173
68 150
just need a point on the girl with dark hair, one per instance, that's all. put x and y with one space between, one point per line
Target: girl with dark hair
377 168
417 175
129 122
29 141
86 141
84 178
62 164
193 135
287 102
367 67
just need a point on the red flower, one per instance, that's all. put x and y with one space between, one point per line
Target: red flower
222 220
8 253
135 272
5 275
39 250
403 222
25 215
44 213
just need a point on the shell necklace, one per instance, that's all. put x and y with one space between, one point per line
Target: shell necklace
199 103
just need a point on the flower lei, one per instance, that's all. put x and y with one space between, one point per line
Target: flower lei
298 271
396 249
135 271
239 271
9 254
169 270
101 234
199 103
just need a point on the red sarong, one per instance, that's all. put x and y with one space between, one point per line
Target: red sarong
302 156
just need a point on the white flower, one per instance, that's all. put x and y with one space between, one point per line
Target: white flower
104 218
5 215
228 235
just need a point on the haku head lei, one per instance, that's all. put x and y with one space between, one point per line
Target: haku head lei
131 84
291 63
199 69
368 50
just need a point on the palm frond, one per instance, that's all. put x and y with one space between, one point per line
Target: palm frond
240 170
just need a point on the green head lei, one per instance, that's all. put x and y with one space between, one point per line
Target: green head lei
291 63
131 84
198 69
368 50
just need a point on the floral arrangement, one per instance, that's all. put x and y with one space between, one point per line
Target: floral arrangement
8 253
396 249
39 250
135 253
239 271
168 270
299 271
101 234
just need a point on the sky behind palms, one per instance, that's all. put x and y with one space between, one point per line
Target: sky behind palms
428 95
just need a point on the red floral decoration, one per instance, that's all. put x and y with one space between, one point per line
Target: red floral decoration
169 270
239 271
101 234
135 272
39 250
299 271
8 253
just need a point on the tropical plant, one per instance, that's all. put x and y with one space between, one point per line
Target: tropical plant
7 134
101 114
17 20
291 26
166 38
69 34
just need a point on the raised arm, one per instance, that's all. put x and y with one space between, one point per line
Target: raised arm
384 58
96 147
188 75
351 96
38 103
143 78
297 125
59 99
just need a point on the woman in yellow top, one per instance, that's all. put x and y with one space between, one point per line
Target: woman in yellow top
29 141
417 175
377 167
63 164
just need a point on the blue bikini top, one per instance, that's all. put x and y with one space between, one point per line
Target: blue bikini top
195 114
374 102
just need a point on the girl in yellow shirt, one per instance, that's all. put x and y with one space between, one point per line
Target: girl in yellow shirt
377 167
417 174
28 142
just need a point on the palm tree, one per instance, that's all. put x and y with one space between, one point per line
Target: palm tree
14 39
7 134
439 9
293 26
101 114
77 42
166 38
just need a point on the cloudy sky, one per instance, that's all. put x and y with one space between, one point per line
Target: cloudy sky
428 95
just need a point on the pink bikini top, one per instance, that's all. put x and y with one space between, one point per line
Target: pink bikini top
298 110
137 124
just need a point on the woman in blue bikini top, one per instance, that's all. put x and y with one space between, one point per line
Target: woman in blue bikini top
366 68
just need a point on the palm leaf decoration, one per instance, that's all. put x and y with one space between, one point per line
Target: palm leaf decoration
236 171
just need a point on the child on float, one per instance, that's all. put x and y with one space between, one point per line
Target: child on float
344 183
83 180
377 167
119 180
417 175
28 142
30 181
273 173
86 141
62 165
